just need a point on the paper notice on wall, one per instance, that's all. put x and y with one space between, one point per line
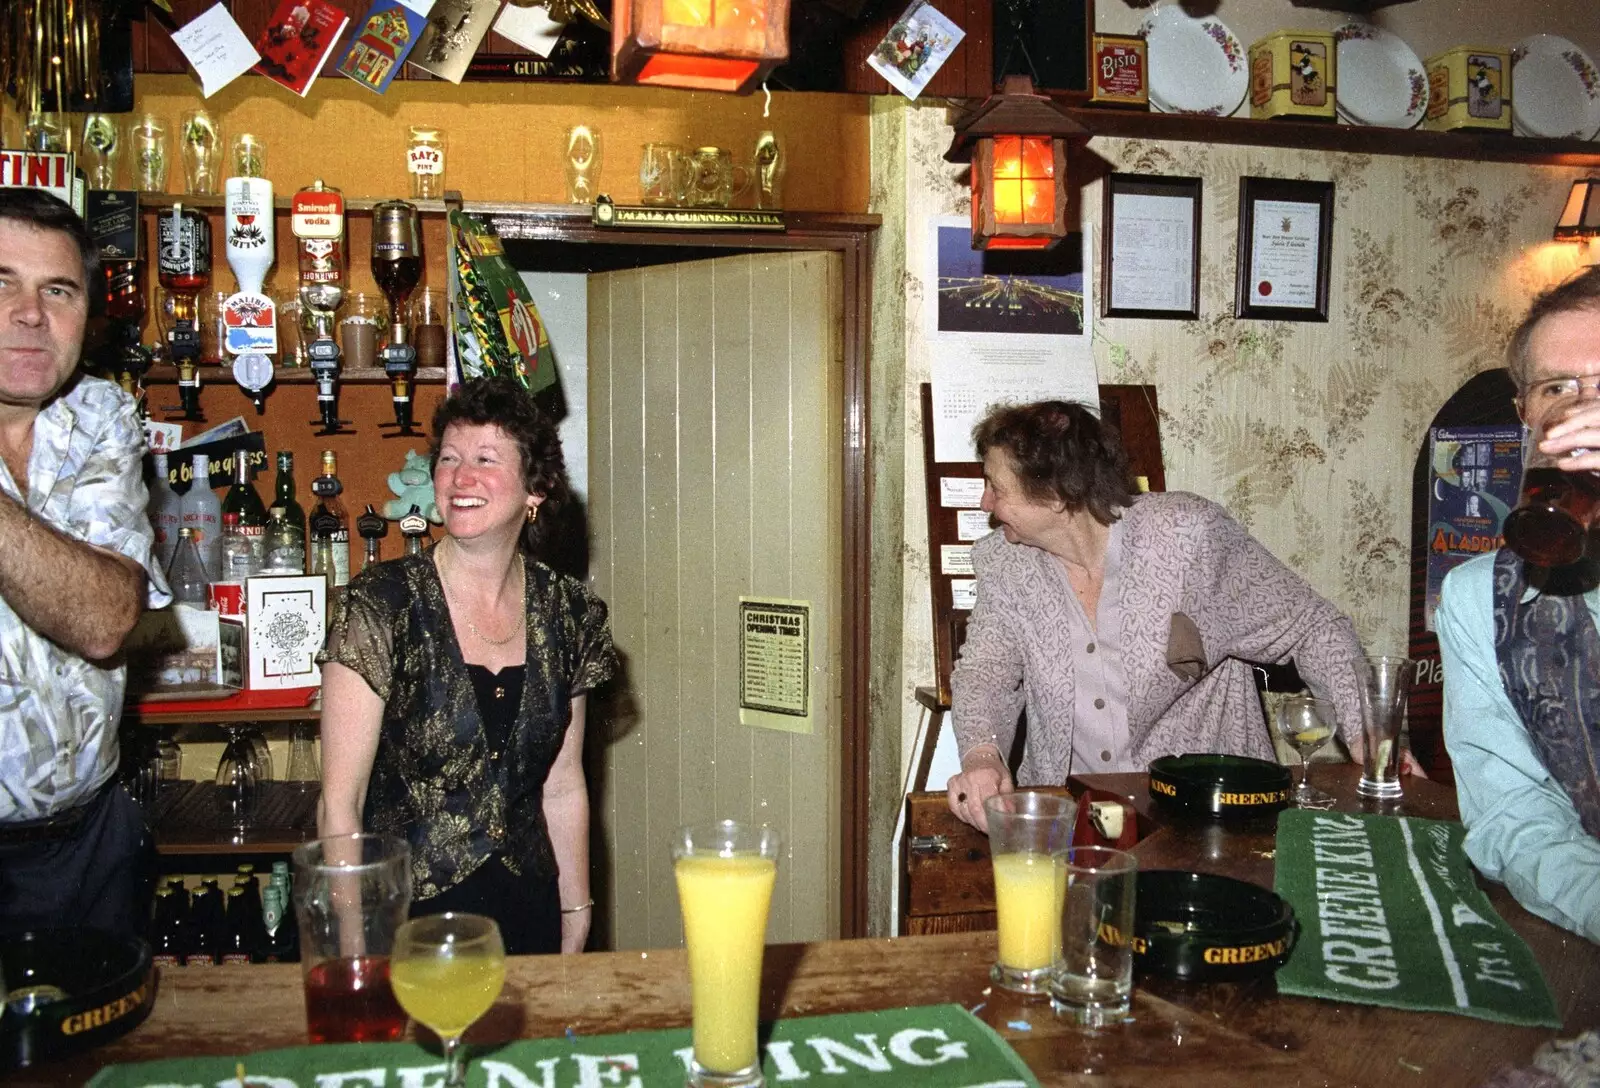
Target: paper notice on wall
215 48
972 524
999 331
775 664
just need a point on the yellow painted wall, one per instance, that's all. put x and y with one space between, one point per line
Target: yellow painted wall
505 141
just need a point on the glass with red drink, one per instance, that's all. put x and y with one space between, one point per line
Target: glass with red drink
351 894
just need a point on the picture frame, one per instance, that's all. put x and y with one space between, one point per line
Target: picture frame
1150 257
1285 249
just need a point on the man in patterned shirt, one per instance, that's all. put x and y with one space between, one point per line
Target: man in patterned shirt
74 549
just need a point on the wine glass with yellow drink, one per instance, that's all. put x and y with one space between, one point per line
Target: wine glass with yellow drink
725 872
446 971
1306 724
1029 833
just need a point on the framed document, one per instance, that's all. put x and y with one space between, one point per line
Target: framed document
1151 258
1285 243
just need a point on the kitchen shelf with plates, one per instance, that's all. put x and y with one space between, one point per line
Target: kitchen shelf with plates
1555 89
1199 74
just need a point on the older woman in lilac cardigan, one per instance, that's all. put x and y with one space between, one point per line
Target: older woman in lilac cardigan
1124 624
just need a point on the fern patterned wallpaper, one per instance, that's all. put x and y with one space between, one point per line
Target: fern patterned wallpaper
1306 432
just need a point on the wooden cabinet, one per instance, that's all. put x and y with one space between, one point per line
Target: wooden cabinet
946 864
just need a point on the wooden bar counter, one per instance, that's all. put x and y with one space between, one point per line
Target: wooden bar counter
1188 1035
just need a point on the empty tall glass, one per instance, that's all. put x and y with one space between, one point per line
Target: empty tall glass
1094 980
725 873
1383 709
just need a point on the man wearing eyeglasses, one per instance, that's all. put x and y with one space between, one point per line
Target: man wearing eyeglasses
1521 651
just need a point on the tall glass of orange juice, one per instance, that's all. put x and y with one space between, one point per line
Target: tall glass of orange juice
725 873
1029 834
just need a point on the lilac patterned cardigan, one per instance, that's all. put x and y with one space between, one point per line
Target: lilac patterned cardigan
1180 553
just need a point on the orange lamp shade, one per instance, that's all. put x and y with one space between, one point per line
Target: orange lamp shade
1019 200
708 45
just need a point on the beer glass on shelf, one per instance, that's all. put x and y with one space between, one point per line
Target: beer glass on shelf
148 140
200 147
102 147
425 162
351 895
1306 724
238 778
430 327
582 164
725 873
447 970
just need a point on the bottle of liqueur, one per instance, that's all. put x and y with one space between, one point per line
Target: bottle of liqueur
283 495
242 500
166 512
203 513
329 525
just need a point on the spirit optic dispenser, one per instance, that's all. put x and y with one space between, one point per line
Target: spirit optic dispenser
125 311
183 241
397 267
248 314
317 220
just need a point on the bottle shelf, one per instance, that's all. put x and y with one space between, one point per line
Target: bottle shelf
166 374
352 204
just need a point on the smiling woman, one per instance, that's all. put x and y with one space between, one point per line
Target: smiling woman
454 687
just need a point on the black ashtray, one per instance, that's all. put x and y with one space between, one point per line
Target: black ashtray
1219 786
71 989
1203 928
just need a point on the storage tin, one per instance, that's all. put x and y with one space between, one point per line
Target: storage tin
1469 87
1292 74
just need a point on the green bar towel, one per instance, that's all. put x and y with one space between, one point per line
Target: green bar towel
932 1046
1391 914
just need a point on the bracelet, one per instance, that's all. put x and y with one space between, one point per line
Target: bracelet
577 909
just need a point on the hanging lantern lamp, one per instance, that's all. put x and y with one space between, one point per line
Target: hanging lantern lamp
1017 142
707 45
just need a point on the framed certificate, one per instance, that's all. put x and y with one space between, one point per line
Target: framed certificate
1151 258
1285 243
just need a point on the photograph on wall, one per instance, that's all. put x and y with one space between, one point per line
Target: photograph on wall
916 47
1003 328
987 292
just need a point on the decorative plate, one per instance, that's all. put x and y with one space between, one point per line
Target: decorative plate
1555 89
1196 65
1381 81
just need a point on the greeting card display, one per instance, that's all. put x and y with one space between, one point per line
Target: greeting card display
388 33
297 41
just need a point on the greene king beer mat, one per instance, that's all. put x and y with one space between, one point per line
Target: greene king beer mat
1391 914
928 1046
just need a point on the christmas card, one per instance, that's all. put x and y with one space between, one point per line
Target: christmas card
297 40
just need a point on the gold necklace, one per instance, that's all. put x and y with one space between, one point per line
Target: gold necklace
522 578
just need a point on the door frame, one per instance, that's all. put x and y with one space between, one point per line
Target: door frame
849 235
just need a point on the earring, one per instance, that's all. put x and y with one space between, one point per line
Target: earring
533 514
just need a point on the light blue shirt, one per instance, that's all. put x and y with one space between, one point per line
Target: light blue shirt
1522 828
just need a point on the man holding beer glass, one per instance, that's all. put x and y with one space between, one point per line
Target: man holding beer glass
1517 634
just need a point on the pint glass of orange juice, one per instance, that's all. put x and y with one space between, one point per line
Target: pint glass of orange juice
1029 833
725 873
